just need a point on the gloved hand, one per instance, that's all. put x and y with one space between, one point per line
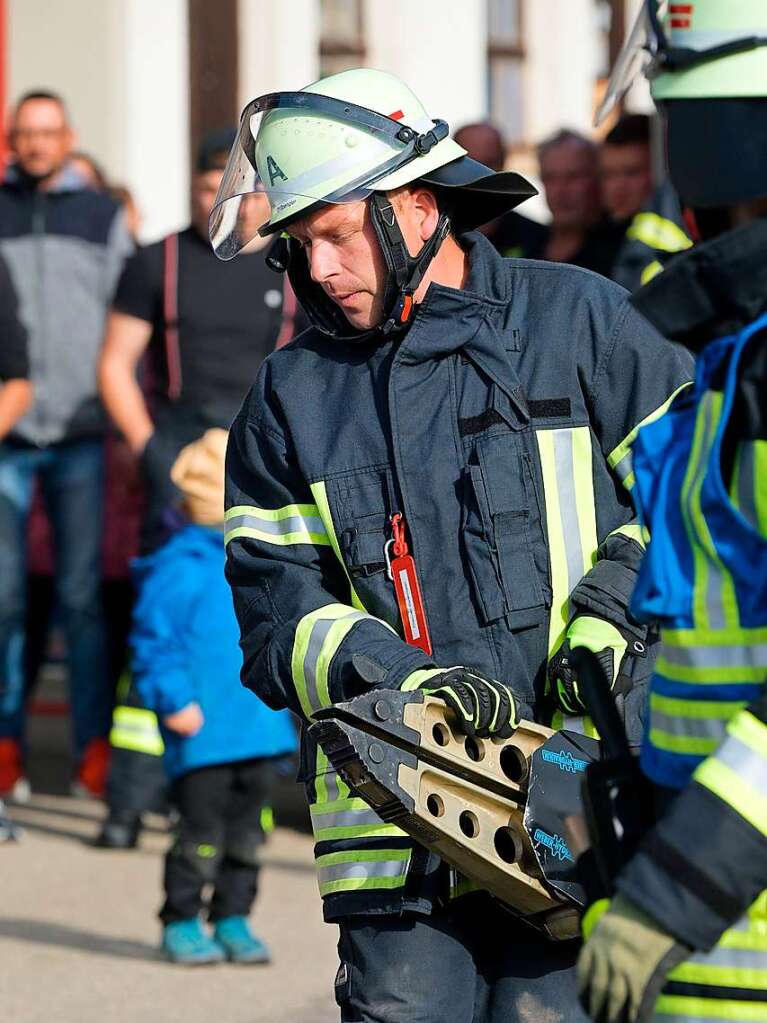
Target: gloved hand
483 706
624 964
603 639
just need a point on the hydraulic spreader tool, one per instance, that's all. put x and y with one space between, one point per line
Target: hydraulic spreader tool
505 813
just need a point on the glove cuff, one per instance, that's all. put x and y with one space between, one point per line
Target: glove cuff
419 679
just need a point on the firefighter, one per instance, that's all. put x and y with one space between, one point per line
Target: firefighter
429 488
685 938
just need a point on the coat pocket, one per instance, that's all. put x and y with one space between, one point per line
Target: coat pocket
503 532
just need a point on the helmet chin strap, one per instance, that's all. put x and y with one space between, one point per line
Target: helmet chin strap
403 275
403 272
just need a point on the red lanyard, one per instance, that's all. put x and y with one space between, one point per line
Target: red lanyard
401 571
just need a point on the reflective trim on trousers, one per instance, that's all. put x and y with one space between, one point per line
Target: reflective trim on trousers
136 728
349 818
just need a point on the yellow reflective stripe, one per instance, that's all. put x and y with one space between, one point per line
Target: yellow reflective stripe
657 232
730 786
136 728
748 486
350 818
633 531
318 636
698 674
319 493
328 786
581 725
417 678
714 601
363 869
681 1007
592 916
292 524
650 271
686 638
619 458
566 462
267 819
560 590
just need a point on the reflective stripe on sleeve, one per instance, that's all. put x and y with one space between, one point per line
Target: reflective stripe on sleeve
619 459
318 637
632 531
293 524
737 772
363 869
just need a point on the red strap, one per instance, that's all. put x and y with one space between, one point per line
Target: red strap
170 315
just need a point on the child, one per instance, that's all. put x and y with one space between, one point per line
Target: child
219 738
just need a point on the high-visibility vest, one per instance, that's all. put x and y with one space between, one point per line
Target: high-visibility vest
705 579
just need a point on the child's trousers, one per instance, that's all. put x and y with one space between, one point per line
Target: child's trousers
221 810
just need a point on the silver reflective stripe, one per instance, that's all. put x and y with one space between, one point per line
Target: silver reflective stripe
331 785
692 727
568 506
746 487
319 634
749 765
279 527
345 819
732 958
574 724
737 656
685 1017
364 869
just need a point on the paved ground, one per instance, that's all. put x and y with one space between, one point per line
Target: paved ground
78 929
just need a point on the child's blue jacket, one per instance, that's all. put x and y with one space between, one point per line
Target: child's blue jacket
184 646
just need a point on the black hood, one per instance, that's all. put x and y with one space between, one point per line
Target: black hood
710 291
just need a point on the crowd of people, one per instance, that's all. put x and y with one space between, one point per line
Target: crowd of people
122 367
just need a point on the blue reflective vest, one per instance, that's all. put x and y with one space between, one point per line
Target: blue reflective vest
704 577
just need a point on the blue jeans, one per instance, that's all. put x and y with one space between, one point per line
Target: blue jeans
471 962
72 480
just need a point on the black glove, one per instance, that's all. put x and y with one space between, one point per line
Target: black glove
483 706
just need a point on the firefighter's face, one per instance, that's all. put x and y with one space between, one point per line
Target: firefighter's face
345 259
344 253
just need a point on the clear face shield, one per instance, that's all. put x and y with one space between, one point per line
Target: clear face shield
295 150
649 50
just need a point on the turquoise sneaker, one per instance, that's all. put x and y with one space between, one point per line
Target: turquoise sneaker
186 942
238 941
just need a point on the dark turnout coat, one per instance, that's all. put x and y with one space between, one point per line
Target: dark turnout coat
499 426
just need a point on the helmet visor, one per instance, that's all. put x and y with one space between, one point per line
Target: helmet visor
297 149
632 61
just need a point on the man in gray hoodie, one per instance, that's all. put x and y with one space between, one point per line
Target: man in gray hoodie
64 246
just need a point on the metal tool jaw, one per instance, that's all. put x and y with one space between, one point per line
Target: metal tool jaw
505 813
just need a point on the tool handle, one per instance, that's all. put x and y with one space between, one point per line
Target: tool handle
596 693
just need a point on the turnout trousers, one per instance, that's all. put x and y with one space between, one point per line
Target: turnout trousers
468 962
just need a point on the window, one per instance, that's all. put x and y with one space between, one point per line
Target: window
341 36
505 62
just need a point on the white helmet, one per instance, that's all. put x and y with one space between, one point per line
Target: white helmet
347 137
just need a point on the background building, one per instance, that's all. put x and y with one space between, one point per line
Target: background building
145 80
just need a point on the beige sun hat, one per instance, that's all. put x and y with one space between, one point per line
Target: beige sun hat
198 472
